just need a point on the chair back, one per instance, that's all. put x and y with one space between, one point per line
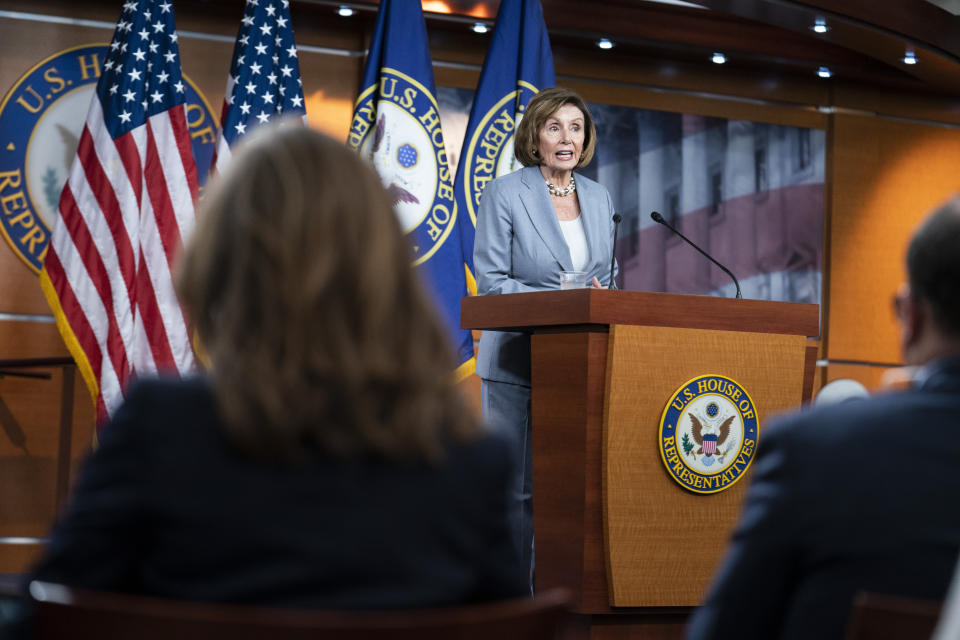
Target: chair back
882 617
63 612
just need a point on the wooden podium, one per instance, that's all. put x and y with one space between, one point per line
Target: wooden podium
636 548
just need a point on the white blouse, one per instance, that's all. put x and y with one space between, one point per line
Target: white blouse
576 242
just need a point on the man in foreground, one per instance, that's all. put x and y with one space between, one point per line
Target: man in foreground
859 496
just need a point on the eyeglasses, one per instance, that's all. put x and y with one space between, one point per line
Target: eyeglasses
900 303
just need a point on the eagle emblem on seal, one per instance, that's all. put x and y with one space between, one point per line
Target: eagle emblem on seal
709 438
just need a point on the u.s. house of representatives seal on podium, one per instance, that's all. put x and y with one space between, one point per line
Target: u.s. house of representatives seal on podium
41 120
708 434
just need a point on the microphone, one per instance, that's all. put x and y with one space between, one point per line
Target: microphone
659 218
613 252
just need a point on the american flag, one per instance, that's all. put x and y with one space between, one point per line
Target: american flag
123 214
264 79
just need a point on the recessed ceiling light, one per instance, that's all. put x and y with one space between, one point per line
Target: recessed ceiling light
820 26
718 58
345 11
824 72
480 27
604 43
909 57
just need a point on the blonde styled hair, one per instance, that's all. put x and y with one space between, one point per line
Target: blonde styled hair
299 283
541 107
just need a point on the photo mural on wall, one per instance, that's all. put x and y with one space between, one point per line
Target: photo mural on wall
750 194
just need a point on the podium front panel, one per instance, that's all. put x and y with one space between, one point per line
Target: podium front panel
662 541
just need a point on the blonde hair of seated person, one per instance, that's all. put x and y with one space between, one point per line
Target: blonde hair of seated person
320 337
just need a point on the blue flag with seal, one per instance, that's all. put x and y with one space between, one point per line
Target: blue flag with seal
396 124
519 63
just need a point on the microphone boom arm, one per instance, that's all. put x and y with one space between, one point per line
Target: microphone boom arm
659 218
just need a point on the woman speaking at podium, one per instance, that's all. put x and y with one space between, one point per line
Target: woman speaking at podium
532 226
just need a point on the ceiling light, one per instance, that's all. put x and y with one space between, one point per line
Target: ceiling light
824 72
680 3
718 58
345 11
820 26
480 27
604 43
909 57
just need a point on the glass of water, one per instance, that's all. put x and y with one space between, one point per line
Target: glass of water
573 279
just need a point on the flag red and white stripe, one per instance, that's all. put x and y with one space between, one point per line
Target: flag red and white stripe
124 213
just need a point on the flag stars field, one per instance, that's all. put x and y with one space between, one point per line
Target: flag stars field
257 86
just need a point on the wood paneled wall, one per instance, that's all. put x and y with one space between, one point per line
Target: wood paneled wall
886 176
883 176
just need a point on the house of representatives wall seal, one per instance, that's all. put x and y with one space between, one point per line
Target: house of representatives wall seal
41 119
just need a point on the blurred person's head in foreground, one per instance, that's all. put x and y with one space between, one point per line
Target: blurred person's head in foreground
299 282
838 391
928 305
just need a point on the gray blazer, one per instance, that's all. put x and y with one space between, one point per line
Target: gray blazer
519 247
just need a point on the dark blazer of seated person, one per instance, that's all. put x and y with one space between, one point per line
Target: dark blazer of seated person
327 460
859 496
168 506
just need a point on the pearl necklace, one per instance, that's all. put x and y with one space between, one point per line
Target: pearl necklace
557 191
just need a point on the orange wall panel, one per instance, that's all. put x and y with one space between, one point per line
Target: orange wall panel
18 558
21 339
887 176
30 441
